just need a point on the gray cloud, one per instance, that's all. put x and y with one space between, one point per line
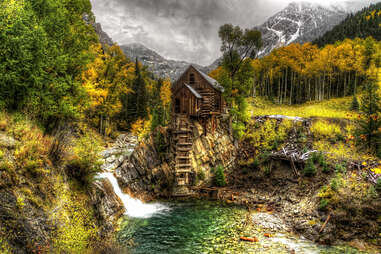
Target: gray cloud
182 29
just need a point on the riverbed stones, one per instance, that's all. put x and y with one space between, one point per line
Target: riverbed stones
270 222
117 154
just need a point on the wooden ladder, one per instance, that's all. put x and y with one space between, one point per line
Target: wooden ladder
183 138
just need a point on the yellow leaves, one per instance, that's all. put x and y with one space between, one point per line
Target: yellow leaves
141 127
364 163
77 226
324 129
11 8
106 79
376 170
216 73
166 93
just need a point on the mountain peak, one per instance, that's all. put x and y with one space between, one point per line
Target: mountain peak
299 22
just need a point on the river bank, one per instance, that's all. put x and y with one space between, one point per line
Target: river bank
266 185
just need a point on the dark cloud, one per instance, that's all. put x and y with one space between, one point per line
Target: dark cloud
180 29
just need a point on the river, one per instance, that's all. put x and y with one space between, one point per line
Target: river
209 227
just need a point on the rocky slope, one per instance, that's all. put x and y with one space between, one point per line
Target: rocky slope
148 172
157 64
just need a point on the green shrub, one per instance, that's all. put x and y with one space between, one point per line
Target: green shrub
310 168
275 145
264 156
323 204
267 170
256 163
378 185
219 179
84 164
319 158
161 145
334 184
372 192
4 247
201 175
238 130
355 105
326 168
340 168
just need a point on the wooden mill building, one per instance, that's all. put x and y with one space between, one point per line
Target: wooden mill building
197 96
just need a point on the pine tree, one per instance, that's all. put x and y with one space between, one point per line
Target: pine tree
158 110
369 123
137 100
141 93
355 106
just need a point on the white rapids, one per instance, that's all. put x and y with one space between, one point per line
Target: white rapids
134 207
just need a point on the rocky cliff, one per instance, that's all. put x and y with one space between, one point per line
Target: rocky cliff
149 171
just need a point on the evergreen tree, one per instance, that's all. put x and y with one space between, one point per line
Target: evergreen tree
158 117
362 24
355 106
369 123
137 99
141 93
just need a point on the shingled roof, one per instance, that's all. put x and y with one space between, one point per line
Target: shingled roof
214 83
195 93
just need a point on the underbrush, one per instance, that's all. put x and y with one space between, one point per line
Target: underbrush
34 188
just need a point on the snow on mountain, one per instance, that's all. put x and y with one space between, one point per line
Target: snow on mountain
298 22
158 65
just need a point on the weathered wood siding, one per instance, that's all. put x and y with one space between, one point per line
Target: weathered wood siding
188 102
194 79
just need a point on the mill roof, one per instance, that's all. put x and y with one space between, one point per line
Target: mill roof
214 83
195 93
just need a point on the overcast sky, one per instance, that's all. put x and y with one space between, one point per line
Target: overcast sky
184 29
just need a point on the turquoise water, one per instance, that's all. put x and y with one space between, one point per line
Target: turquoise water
207 227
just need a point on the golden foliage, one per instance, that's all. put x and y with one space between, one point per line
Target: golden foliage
166 93
324 129
77 222
141 128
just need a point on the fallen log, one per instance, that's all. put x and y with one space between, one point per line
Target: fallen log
325 223
249 239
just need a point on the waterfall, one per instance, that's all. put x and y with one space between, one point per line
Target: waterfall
134 207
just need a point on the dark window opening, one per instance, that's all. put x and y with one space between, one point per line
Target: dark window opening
192 79
177 106
217 104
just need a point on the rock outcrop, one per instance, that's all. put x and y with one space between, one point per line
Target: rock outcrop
109 208
148 174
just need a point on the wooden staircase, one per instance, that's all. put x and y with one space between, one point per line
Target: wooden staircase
183 167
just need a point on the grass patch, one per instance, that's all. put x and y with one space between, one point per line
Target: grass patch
334 108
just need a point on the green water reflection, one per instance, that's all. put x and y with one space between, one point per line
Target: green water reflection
208 227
